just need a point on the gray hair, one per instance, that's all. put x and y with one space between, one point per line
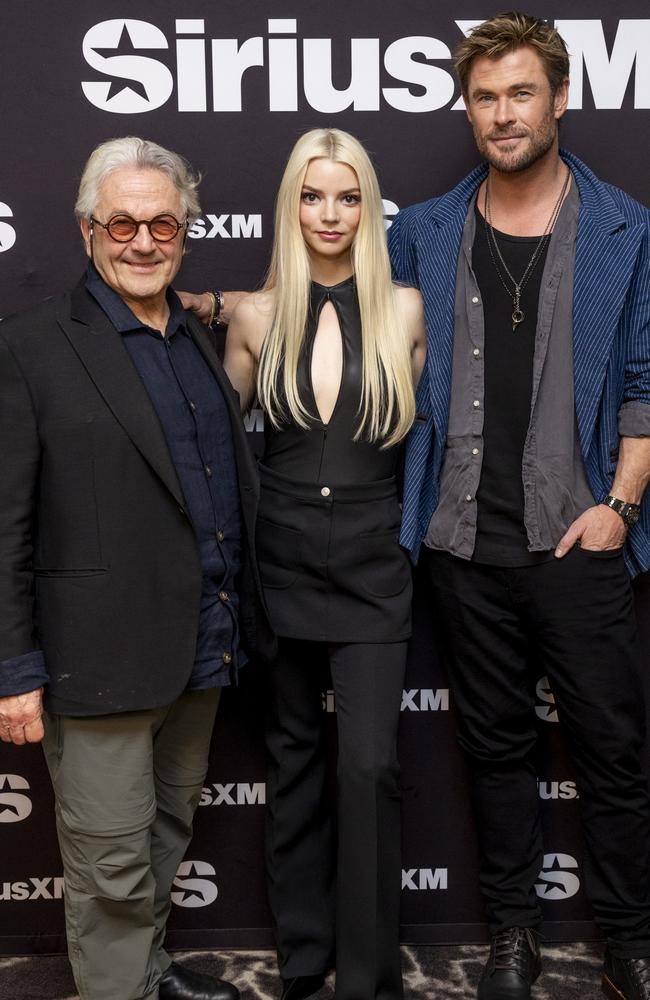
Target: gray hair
141 154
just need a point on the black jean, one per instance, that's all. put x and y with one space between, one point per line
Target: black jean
336 899
574 618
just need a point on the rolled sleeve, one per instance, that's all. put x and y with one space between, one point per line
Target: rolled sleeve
634 419
20 674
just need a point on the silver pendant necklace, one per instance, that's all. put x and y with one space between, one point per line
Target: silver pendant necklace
518 314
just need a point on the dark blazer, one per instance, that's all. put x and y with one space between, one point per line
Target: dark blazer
99 564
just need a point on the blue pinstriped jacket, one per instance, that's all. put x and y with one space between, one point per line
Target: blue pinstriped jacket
611 334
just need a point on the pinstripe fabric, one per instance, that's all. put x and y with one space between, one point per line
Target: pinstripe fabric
611 334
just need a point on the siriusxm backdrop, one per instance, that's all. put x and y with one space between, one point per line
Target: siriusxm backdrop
231 85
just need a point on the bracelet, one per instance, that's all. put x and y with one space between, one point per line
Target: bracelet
213 308
218 305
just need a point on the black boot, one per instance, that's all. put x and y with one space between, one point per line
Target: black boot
626 978
513 966
179 983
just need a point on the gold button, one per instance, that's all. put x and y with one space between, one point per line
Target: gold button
227 658
220 536
325 492
223 596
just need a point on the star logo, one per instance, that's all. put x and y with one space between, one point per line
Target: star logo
124 47
554 881
125 52
191 891
545 708
7 232
14 805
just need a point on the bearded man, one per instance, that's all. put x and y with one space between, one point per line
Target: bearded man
525 477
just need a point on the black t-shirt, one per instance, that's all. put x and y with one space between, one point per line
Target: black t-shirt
501 538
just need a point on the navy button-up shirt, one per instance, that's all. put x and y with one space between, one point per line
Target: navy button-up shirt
196 425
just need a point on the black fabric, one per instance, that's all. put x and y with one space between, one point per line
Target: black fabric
331 565
112 560
328 527
327 453
358 921
508 364
573 619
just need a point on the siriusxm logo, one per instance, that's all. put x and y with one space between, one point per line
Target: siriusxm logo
32 889
557 790
557 879
7 232
425 700
413 700
422 879
546 708
138 67
227 227
190 889
234 794
14 804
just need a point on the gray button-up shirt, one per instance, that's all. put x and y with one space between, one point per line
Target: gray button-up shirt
555 486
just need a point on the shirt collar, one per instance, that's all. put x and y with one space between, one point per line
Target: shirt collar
117 311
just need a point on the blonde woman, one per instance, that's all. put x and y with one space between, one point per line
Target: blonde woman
331 349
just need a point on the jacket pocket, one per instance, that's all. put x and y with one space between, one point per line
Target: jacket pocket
279 551
384 568
69 572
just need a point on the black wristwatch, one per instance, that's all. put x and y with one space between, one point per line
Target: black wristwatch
630 512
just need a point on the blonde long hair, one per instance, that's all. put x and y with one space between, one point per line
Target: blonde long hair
387 406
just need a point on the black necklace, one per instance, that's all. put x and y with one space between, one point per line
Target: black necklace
540 247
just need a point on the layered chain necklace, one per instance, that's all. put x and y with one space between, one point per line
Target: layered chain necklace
500 265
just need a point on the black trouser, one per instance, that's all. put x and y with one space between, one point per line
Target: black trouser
575 618
355 924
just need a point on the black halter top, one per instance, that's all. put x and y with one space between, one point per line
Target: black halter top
327 452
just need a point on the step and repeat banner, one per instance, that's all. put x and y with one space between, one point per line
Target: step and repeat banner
231 86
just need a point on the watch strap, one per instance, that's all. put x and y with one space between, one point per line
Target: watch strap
630 512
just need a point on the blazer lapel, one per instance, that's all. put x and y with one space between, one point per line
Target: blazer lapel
102 352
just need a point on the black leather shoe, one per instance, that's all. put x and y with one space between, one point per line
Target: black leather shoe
179 983
513 966
626 978
301 986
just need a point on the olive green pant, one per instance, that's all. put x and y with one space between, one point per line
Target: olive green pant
126 788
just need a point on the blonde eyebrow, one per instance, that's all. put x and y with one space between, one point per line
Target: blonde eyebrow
308 187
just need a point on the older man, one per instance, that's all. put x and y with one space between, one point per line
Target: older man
127 505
